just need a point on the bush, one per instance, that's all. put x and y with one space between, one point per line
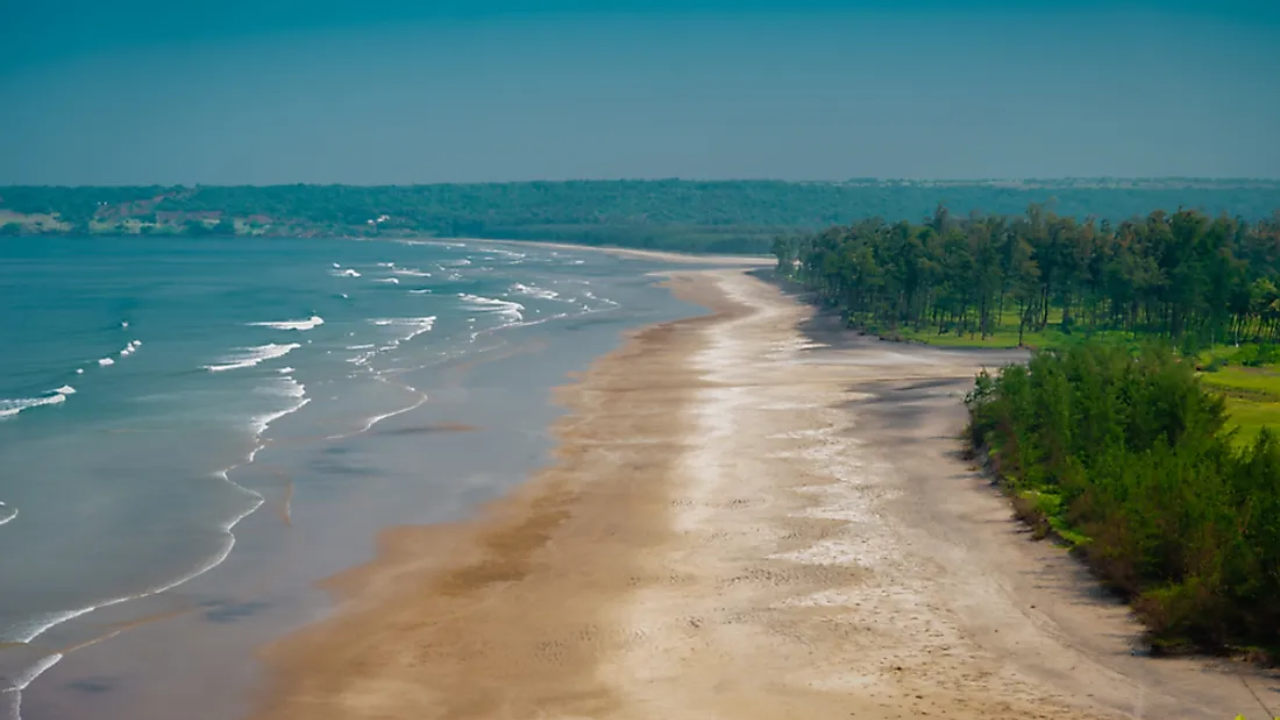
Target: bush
1125 454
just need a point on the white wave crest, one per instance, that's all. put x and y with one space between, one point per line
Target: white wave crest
393 281
535 291
410 272
262 422
507 253
506 308
11 407
415 326
249 357
286 387
346 273
300 325
589 295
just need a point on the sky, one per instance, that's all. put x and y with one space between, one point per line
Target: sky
119 92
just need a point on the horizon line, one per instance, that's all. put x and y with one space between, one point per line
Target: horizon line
565 181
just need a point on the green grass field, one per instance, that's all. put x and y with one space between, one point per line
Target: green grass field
1252 393
1005 334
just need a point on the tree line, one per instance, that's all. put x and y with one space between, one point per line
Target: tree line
1114 445
1125 455
1181 275
691 215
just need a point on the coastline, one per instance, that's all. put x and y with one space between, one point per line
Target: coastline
665 256
482 433
446 590
747 515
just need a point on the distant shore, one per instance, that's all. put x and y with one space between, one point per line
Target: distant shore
738 523
666 256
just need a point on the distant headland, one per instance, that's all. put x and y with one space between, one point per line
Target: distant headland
734 216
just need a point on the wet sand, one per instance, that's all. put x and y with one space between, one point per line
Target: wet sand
742 523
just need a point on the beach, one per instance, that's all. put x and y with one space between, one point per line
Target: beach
749 513
268 408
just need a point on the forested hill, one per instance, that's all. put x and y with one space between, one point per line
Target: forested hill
729 216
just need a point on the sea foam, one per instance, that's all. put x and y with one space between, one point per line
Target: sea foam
286 387
301 325
506 308
535 291
11 407
415 326
249 357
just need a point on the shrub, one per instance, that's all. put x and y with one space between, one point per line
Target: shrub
1125 454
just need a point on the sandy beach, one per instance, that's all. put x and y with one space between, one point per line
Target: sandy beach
750 514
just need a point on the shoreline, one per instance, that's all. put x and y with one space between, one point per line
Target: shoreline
355 479
665 256
747 516
468 565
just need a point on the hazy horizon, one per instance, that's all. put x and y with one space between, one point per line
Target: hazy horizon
1031 181
135 92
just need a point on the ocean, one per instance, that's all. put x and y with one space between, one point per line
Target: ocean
194 431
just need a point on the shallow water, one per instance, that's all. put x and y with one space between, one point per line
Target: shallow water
165 399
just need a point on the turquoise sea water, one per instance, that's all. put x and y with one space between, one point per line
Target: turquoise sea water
143 381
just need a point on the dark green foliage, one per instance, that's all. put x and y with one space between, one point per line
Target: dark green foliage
1256 355
703 216
196 228
1131 451
1183 276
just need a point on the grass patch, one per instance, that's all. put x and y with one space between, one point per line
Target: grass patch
1004 335
1247 418
1045 513
1252 394
1253 383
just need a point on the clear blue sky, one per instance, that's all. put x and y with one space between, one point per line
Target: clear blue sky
393 91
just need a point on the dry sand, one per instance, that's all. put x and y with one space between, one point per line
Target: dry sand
740 525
